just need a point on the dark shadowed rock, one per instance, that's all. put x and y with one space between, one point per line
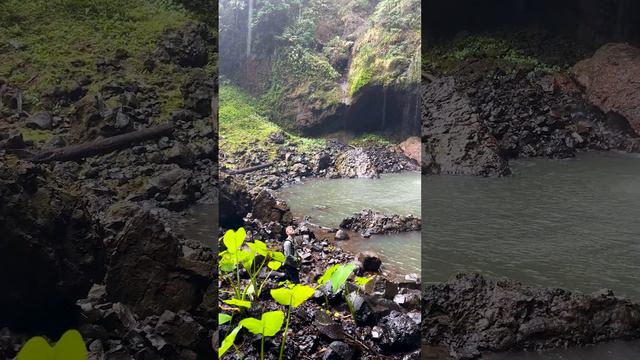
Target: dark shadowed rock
143 269
339 351
40 120
457 143
469 314
399 332
370 222
609 81
51 249
186 47
370 261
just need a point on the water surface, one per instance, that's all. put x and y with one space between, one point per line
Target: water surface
572 223
328 201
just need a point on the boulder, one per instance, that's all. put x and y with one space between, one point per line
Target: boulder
412 148
186 46
399 332
608 79
356 163
339 351
456 141
341 235
40 120
143 269
370 261
369 222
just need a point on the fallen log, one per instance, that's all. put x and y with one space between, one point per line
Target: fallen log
249 169
102 146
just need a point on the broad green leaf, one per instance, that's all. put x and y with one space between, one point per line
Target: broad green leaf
238 302
223 318
340 276
362 281
268 325
70 347
246 257
227 263
37 348
274 265
233 240
294 296
277 256
327 274
258 247
228 341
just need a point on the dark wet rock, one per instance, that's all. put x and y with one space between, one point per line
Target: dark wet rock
607 78
470 314
143 269
182 155
341 235
456 141
51 249
186 47
197 92
339 351
370 261
408 299
399 332
355 163
40 120
234 202
371 308
372 223
267 208
13 140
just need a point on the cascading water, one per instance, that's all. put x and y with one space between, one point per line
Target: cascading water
249 29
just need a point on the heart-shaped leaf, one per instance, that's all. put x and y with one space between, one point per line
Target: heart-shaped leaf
362 281
340 276
274 265
327 274
228 341
258 247
277 256
223 318
238 302
268 325
233 240
294 296
69 347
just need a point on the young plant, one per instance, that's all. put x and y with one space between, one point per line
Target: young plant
292 297
70 347
231 258
268 325
228 341
337 276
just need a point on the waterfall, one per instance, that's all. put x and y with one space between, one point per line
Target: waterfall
249 28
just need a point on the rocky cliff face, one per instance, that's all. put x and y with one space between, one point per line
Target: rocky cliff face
331 56
482 109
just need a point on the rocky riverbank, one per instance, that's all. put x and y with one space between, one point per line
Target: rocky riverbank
485 110
387 313
90 243
469 315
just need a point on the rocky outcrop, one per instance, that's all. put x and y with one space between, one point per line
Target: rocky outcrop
470 314
369 222
412 148
185 47
147 270
609 82
355 163
51 249
456 141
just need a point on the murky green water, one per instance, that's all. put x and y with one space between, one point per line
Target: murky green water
573 224
327 202
200 224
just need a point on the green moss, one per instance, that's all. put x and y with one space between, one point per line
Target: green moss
63 40
370 139
36 136
448 56
242 127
